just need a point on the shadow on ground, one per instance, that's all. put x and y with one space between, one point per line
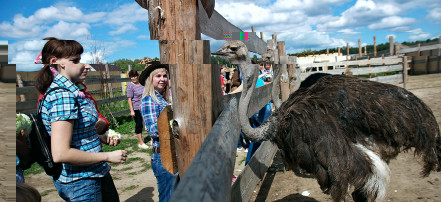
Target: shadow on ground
145 194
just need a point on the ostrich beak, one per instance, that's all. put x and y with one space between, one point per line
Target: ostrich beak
220 52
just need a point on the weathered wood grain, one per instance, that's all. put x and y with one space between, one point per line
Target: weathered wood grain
166 140
209 176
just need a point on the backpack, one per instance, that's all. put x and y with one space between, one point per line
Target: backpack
41 142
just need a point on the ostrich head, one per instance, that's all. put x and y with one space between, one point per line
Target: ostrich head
235 51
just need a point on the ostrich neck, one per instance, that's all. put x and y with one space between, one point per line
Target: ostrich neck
267 129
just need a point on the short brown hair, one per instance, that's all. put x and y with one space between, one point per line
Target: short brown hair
133 73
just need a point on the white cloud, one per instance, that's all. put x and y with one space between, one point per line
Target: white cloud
392 22
142 37
123 29
348 31
418 34
64 30
434 15
363 13
127 13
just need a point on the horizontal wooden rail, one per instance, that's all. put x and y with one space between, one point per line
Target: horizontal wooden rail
217 25
359 71
261 96
209 176
422 48
373 61
254 172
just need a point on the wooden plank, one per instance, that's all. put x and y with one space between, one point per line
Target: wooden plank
405 68
209 176
284 77
372 61
166 140
397 78
421 48
26 105
120 113
108 100
254 172
359 71
260 97
26 90
208 6
217 25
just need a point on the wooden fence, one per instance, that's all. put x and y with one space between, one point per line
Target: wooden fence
208 178
97 84
425 59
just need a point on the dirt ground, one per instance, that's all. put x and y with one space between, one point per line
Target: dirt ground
405 185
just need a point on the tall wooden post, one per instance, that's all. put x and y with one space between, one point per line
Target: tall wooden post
391 45
339 52
252 28
195 83
359 48
284 82
405 66
375 47
347 51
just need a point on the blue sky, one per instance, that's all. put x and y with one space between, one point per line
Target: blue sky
120 27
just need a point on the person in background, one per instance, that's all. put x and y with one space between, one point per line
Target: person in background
134 93
154 99
224 81
268 73
70 120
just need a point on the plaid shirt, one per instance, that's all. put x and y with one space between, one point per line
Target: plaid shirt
135 92
61 105
150 110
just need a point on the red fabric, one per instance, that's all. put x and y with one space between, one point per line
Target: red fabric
89 96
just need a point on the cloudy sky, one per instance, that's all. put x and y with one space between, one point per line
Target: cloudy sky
119 28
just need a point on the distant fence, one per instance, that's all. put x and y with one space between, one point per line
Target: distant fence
425 59
372 67
98 84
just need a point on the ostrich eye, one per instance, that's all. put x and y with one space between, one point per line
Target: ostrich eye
234 48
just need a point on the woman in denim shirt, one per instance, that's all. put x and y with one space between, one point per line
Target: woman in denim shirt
70 121
154 99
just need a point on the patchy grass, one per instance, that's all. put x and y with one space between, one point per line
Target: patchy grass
34 169
44 193
243 160
130 187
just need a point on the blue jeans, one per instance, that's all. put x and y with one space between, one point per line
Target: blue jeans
88 189
165 180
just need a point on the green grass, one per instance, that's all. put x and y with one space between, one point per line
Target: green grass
35 169
130 187
44 193
243 160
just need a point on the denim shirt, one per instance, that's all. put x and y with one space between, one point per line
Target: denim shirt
63 105
150 110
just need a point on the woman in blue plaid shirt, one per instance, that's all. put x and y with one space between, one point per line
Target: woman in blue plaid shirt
154 99
70 121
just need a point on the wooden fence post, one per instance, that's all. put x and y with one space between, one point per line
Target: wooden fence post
108 83
284 85
195 83
375 47
347 51
405 66
20 84
391 45
359 48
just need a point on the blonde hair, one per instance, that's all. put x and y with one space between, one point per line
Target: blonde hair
149 89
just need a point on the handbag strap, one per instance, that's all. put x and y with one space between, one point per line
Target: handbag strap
47 93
